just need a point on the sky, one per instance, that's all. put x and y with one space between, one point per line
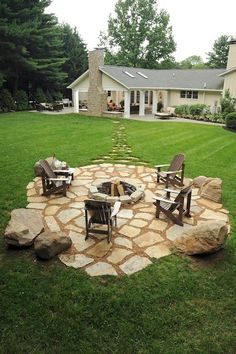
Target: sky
195 24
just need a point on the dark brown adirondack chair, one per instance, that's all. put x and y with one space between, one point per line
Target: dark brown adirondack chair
175 172
98 212
168 206
54 181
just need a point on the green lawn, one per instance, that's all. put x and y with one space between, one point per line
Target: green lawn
177 305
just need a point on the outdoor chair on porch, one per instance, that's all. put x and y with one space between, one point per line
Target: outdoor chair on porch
175 172
55 181
168 207
102 213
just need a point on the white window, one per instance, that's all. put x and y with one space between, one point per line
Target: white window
189 94
146 97
132 97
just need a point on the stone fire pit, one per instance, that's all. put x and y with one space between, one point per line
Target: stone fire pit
116 190
139 236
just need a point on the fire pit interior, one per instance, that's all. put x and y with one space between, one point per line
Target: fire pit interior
116 190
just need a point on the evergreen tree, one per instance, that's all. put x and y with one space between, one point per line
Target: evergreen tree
30 46
219 55
138 35
76 52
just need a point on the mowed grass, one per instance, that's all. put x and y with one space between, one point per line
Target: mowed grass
177 305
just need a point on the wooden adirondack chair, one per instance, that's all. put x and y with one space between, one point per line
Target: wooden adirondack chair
168 206
175 172
98 212
55 181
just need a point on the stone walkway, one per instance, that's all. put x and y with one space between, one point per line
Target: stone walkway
121 151
139 238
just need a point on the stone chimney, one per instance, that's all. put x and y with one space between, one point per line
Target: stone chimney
232 55
97 97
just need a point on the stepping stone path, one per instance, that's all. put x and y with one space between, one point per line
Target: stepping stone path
139 237
121 151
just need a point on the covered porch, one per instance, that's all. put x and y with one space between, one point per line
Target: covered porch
140 102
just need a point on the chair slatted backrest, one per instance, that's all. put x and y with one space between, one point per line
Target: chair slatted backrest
182 194
176 163
47 169
99 211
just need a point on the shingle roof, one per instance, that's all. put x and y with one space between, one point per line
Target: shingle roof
200 79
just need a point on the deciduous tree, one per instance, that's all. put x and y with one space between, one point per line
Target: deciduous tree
192 62
138 35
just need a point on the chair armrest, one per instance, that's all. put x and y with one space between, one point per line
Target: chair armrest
171 191
58 179
161 166
61 171
164 200
116 209
171 172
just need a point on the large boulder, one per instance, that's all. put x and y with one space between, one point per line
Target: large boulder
23 227
205 238
198 181
211 189
49 244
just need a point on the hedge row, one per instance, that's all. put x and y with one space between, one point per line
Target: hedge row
197 111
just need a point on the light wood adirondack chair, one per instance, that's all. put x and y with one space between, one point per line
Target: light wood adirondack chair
98 212
168 206
55 181
175 172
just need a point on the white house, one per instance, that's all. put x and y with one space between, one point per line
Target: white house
141 89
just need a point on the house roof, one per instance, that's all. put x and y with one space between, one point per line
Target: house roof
226 72
134 78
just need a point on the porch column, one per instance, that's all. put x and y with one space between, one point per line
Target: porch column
76 101
167 98
127 105
154 101
142 103
117 98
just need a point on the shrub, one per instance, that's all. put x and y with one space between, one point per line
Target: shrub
22 102
197 110
227 104
6 101
40 96
57 95
230 120
182 110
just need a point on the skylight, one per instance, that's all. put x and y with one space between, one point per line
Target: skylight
129 74
141 74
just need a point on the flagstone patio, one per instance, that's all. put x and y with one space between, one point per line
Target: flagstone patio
139 237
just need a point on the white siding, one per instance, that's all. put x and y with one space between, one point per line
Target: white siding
110 84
